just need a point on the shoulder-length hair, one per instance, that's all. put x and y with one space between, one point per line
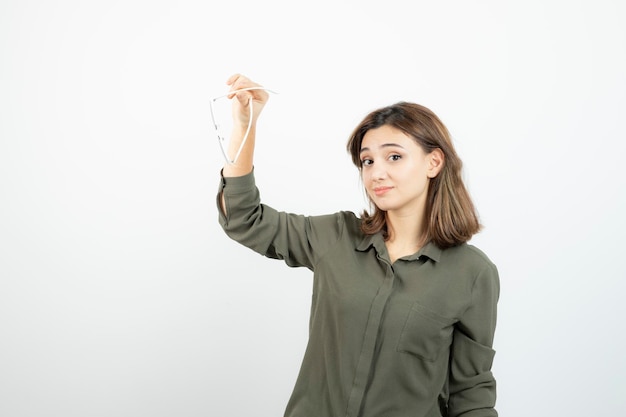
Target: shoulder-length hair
451 218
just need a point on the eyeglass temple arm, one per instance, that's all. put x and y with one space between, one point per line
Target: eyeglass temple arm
245 137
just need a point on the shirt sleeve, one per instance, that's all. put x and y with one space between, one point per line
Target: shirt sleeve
472 385
298 240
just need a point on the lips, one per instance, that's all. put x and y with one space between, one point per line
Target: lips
381 190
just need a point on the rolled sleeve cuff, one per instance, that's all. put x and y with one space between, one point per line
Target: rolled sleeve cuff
237 185
472 385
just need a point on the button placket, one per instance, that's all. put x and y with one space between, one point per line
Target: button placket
368 347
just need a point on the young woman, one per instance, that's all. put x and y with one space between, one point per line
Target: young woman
404 310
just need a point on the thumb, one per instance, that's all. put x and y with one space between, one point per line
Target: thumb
243 97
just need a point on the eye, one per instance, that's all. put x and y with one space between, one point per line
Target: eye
395 157
366 162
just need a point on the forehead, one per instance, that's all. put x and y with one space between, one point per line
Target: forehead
384 136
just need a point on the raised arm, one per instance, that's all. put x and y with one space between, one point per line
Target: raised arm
241 119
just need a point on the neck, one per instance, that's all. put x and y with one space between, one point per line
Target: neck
406 231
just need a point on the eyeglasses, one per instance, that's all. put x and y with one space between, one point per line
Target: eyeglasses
220 137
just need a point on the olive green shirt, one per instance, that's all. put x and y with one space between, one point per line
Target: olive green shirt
408 339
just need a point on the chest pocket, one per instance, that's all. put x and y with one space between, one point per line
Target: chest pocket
425 333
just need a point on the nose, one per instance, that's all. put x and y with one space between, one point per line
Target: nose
379 172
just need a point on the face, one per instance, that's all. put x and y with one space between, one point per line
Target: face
396 171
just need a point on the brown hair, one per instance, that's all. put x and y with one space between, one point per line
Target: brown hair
451 218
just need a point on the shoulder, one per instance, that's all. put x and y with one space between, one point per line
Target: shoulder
352 222
468 257
347 218
339 224
480 275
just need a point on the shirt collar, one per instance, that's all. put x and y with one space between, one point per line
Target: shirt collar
430 250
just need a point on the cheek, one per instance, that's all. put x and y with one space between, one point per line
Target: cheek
366 182
365 177
420 182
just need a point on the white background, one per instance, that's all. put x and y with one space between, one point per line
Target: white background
121 296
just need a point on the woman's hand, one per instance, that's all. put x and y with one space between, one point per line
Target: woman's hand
241 103
241 146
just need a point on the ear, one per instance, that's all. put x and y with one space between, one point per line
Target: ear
435 160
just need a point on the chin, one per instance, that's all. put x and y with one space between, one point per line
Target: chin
384 207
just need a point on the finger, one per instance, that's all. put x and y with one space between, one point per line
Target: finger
239 82
232 78
244 97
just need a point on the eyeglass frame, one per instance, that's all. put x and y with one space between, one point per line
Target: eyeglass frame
221 139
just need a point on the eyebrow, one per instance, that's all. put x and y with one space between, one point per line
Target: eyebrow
384 145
